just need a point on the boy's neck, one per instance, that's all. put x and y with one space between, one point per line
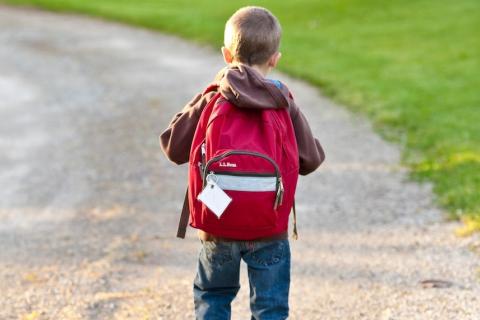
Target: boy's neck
264 70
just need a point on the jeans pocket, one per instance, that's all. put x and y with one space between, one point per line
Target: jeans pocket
270 252
217 253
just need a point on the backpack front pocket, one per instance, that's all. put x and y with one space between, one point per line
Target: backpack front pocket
255 195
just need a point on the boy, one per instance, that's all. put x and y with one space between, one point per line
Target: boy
252 38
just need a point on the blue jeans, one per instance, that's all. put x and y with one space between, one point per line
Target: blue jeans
218 278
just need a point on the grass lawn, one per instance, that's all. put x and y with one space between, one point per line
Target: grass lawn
412 66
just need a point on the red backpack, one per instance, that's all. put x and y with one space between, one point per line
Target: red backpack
252 155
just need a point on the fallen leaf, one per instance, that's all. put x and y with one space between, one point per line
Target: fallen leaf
469 227
140 255
33 277
31 316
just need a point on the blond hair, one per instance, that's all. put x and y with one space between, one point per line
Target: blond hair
252 34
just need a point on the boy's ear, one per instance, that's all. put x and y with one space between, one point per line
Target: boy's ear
273 61
227 55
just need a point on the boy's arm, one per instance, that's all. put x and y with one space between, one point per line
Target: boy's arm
176 140
310 152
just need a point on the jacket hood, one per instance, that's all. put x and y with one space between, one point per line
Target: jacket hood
245 87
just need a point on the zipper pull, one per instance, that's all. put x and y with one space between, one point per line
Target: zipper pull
201 164
211 177
279 195
282 191
203 152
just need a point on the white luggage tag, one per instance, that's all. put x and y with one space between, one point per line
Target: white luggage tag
214 197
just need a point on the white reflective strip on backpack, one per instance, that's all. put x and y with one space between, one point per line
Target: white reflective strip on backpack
245 183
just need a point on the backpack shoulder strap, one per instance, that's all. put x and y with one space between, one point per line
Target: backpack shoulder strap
184 215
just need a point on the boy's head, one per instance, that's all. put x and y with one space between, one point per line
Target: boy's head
252 37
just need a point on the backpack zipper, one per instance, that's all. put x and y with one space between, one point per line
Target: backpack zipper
279 190
246 174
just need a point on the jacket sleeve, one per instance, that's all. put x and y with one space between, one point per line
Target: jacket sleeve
310 152
176 140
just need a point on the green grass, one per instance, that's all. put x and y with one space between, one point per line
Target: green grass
412 66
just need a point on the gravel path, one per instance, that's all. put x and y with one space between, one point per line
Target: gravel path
89 206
